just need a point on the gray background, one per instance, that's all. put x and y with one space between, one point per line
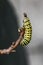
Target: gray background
34 10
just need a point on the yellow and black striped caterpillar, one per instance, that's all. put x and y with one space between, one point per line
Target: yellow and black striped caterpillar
28 32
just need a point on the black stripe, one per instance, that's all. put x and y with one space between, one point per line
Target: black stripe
24 43
26 40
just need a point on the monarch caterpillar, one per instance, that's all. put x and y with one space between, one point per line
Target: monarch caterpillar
28 31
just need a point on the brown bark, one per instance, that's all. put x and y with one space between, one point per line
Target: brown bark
13 46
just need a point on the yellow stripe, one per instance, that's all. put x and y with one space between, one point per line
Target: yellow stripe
27 39
26 19
27 23
28 29
27 35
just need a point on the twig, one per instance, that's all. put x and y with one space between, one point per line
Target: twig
13 46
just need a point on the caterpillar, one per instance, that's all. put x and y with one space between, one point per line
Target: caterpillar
28 31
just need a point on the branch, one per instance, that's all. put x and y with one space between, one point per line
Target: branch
22 31
13 46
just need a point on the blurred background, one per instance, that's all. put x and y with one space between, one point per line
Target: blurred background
34 10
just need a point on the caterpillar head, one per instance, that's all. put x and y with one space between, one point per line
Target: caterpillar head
25 15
